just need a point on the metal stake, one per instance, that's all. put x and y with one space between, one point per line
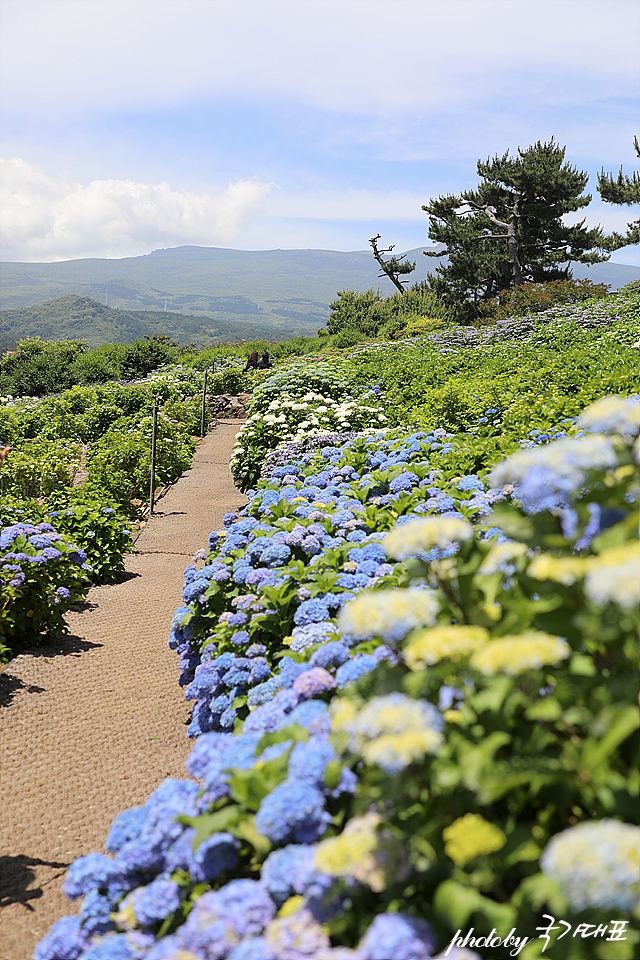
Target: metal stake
152 488
204 401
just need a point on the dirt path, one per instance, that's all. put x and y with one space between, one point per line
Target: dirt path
92 725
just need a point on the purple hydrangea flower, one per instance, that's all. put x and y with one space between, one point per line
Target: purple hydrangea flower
313 682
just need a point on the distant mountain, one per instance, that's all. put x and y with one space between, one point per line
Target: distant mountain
273 293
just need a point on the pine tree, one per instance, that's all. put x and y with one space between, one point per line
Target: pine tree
394 267
623 190
509 230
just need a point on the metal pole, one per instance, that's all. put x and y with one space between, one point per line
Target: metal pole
152 488
204 401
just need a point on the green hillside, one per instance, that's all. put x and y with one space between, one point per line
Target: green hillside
81 318
201 293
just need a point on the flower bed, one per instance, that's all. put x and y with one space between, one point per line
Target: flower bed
106 432
473 765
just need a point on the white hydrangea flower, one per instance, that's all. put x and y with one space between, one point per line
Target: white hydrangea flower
614 576
516 653
597 864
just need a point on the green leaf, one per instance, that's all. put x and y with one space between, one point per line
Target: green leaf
332 774
597 748
246 830
209 823
547 708
285 733
250 787
457 903
539 890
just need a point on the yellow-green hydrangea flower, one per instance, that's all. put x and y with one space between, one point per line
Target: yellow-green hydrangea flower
390 731
389 614
443 643
471 836
362 852
499 557
417 536
564 570
514 654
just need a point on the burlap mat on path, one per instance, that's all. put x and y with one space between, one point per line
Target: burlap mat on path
91 725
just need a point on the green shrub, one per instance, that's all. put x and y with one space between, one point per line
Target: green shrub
230 381
536 297
119 463
40 367
142 356
188 413
100 364
371 315
38 468
103 532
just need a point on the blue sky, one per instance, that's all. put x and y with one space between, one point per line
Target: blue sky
129 125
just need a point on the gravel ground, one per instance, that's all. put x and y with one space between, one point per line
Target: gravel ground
91 725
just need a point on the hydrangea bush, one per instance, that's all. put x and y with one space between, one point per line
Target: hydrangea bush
474 766
42 574
303 400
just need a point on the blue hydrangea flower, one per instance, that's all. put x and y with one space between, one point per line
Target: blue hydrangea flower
156 901
217 853
331 654
354 669
293 811
308 761
126 826
311 634
94 913
312 714
311 611
64 941
93 871
221 919
271 716
120 946
398 936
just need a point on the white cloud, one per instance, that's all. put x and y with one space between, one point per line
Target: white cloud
379 57
347 204
47 219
